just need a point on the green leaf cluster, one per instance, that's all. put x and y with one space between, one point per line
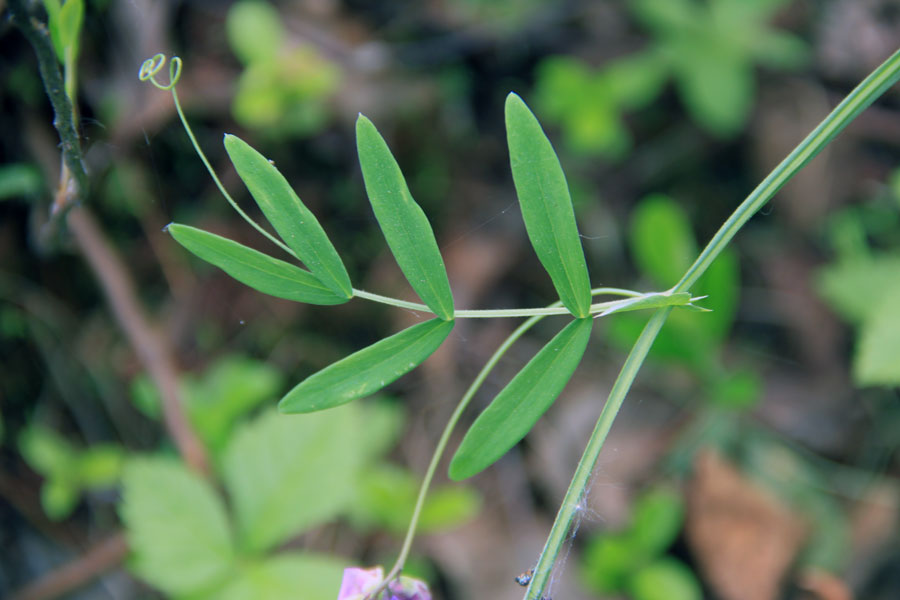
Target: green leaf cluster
284 89
634 560
863 286
549 219
20 180
68 471
217 400
709 48
282 475
387 497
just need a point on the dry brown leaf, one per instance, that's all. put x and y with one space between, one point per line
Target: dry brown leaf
743 539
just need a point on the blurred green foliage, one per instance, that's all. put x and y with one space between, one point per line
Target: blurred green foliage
68 471
709 48
285 89
863 283
20 180
634 560
282 476
663 245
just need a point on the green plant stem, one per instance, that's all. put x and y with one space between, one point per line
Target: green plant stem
597 308
37 35
451 425
858 100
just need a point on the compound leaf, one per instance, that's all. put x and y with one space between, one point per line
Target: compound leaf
521 403
547 206
402 221
296 225
367 370
260 271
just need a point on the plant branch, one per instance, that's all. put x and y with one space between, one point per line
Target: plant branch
858 100
107 266
150 347
63 114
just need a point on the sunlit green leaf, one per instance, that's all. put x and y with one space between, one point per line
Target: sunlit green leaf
402 221
855 287
59 497
657 519
46 451
877 357
368 370
546 206
296 225
177 527
521 403
387 496
71 17
19 180
287 474
255 31
717 86
291 575
260 271
608 562
662 242
100 466
665 579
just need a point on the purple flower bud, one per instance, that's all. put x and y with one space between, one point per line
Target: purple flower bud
358 583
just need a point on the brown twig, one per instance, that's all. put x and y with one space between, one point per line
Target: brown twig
93 562
102 258
146 341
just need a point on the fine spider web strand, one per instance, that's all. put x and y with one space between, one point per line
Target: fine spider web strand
469 232
582 512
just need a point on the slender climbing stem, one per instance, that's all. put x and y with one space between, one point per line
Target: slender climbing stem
454 419
858 100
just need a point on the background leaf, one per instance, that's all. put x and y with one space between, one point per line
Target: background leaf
662 242
287 474
296 225
387 496
177 527
368 370
877 357
665 579
521 403
402 221
293 575
547 207
260 271
255 31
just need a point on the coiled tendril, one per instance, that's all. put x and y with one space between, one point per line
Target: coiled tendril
152 66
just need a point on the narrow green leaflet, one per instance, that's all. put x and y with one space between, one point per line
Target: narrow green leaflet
547 207
367 371
520 404
296 225
402 221
250 267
